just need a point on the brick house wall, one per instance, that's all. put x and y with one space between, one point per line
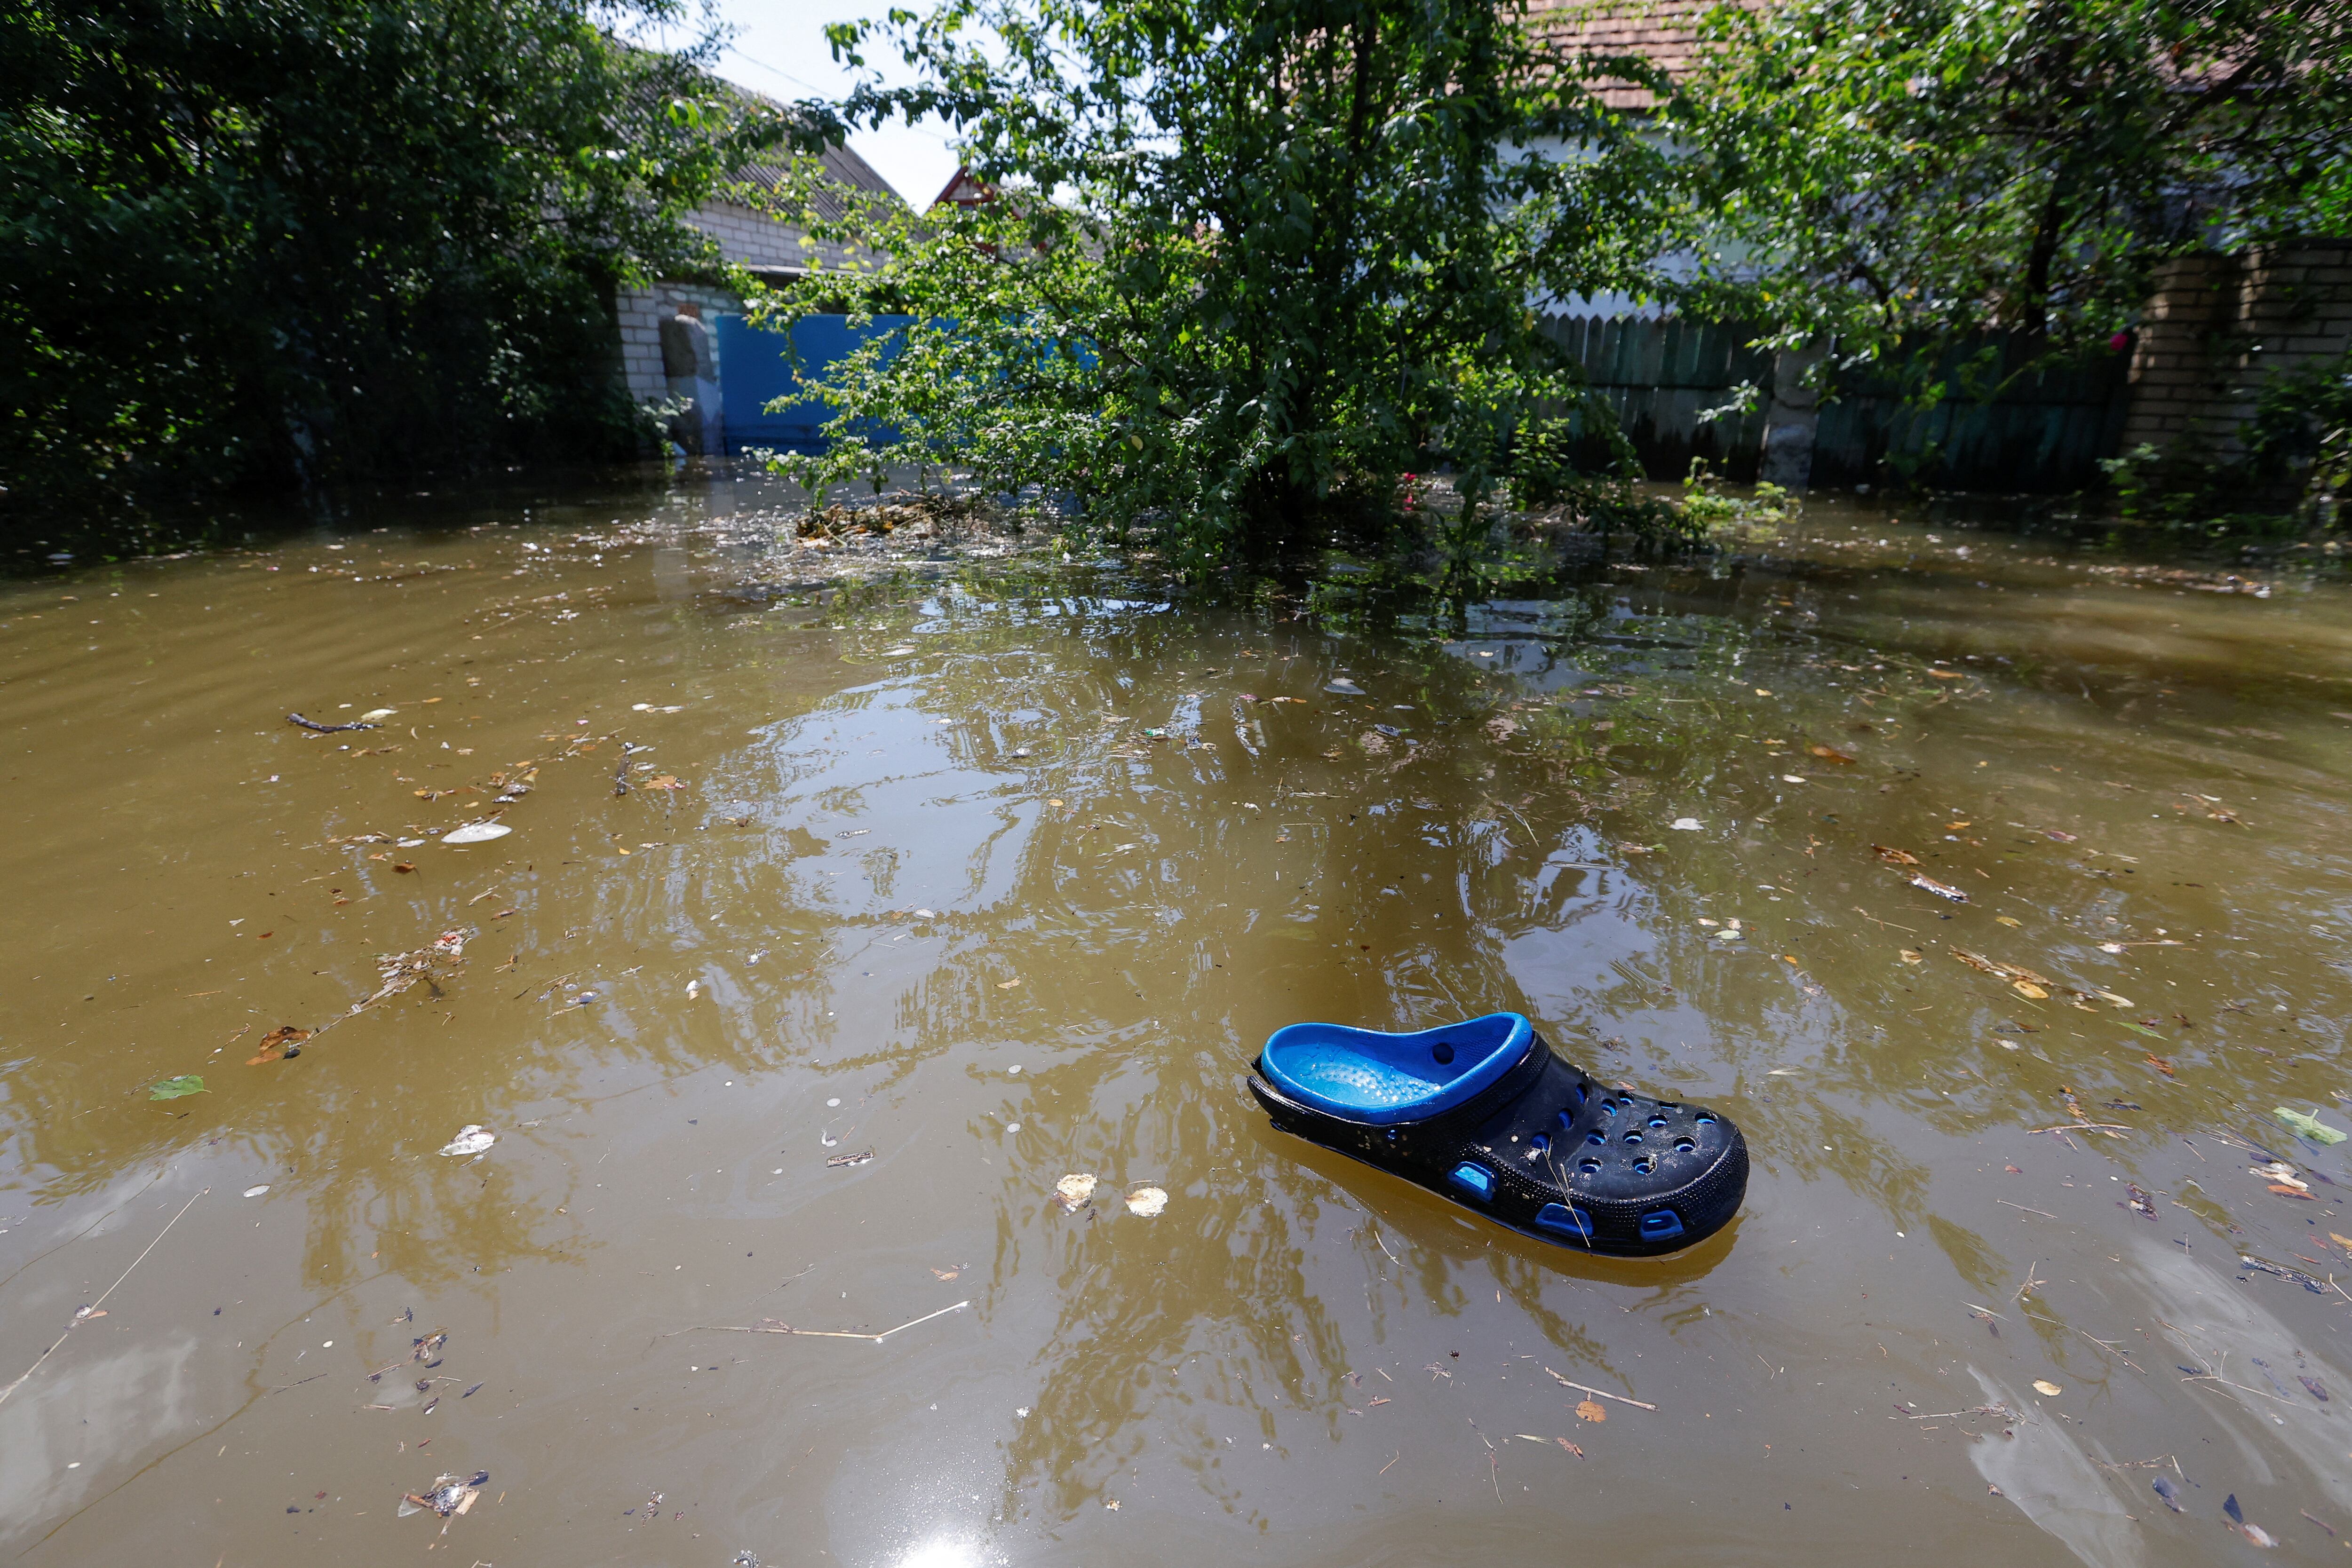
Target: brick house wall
745 236
2218 327
750 238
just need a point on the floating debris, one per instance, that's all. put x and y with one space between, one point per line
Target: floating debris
1075 1191
447 1495
1147 1201
471 1139
279 1044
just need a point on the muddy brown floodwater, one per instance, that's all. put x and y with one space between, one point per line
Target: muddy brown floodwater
927 891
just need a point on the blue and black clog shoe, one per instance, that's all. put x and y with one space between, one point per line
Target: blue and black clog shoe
1484 1113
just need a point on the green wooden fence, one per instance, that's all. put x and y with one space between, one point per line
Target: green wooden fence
1992 428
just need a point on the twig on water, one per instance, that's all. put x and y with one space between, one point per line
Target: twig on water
773 1326
2003 1411
2023 1209
2112 1129
2031 1269
89 1311
2213 1378
2112 1346
1604 1392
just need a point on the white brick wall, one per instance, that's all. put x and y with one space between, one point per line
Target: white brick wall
745 236
751 237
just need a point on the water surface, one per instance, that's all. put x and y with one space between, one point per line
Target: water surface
1002 869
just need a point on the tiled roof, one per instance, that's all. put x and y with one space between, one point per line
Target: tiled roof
1663 32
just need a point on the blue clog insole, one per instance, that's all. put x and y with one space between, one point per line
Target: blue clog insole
1360 1081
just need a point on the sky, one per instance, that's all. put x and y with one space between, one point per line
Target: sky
778 49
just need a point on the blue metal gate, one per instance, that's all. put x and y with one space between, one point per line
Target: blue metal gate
757 368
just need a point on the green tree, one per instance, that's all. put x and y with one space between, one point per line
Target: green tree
251 242
1886 170
1250 260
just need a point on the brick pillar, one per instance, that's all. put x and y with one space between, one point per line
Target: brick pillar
2218 328
2172 379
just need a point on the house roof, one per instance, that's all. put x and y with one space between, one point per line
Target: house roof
962 191
1663 32
843 168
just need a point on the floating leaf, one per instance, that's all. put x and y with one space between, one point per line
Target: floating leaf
1830 754
176 1088
1147 1201
1571 1447
280 1043
1075 1190
2159 1064
2028 989
1913 955
2043 1387
2009 920
1893 856
1591 1410
1940 889
2309 1126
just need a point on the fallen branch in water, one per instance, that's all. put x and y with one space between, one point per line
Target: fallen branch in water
776 1325
1604 1392
91 1310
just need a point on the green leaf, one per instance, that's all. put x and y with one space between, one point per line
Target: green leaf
2310 1126
174 1088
